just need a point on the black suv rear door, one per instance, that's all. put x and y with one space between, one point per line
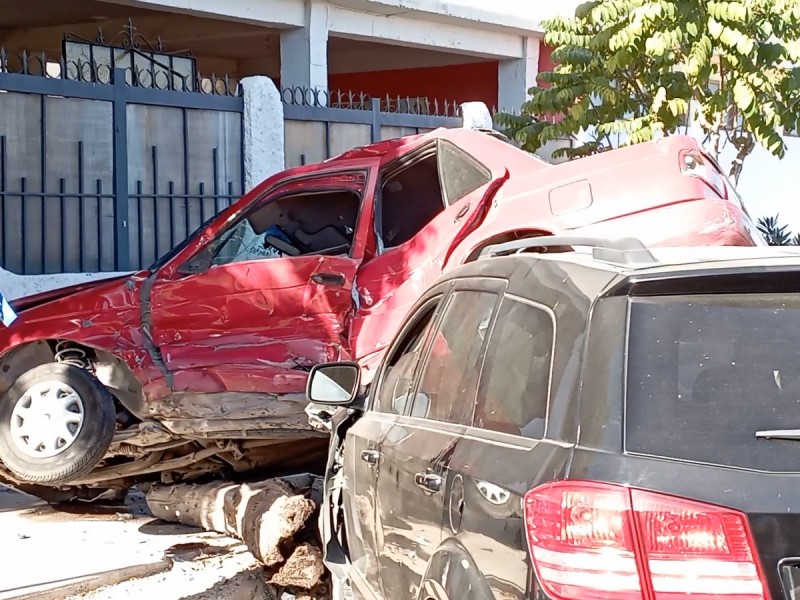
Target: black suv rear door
416 449
503 455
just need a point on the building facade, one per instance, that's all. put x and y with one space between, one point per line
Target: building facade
443 50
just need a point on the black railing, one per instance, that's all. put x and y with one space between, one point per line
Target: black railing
349 100
144 64
62 208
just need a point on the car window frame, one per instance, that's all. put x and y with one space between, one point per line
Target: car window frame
437 296
469 159
276 193
549 396
405 161
479 284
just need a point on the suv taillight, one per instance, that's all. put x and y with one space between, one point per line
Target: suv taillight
600 541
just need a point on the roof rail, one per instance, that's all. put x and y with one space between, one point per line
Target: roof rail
623 251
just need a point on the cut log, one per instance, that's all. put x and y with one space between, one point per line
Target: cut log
263 515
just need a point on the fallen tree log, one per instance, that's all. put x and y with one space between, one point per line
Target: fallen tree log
265 516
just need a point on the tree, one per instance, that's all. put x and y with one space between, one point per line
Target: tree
776 234
631 70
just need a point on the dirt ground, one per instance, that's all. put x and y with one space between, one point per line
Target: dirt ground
96 552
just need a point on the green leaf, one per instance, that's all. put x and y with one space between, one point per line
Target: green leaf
583 10
715 28
655 46
745 45
743 96
691 29
678 106
658 101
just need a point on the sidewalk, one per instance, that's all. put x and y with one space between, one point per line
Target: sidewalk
51 553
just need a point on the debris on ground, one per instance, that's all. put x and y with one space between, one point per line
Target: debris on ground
218 541
273 518
235 575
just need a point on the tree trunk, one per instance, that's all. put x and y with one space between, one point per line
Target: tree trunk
263 515
744 145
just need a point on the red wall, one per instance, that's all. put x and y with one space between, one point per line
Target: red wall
459 83
545 59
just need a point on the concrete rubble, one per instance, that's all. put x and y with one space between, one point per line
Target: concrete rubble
189 542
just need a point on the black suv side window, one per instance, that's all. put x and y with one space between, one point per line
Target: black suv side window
515 381
398 377
447 384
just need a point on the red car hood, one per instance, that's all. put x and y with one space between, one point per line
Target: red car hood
34 300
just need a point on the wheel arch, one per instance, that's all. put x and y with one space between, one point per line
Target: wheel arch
111 370
452 574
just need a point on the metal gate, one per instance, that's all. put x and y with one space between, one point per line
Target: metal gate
112 155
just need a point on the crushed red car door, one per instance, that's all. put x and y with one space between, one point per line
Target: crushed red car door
427 201
269 294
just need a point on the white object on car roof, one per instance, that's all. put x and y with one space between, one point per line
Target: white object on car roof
476 115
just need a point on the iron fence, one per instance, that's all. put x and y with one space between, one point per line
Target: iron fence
322 124
105 167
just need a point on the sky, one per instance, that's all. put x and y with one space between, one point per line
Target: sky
769 185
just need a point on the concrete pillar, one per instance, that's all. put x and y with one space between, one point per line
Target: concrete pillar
263 143
516 76
304 50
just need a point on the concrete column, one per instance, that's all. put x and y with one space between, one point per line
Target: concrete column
304 50
263 143
517 76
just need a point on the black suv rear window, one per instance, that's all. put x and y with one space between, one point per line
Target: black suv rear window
706 373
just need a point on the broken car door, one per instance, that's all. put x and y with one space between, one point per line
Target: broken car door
428 200
267 298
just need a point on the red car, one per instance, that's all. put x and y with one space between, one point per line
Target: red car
198 364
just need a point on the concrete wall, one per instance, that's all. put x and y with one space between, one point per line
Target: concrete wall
316 38
18 286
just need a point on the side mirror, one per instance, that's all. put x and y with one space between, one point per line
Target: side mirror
334 384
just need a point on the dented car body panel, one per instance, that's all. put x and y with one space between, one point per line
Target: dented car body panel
322 263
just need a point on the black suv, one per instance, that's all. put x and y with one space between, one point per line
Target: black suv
613 424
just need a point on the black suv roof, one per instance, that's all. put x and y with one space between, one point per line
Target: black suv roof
603 267
555 391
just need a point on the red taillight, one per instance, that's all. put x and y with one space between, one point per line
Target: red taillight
598 541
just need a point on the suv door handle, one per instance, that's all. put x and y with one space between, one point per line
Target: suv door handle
328 278
371 457
429 482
